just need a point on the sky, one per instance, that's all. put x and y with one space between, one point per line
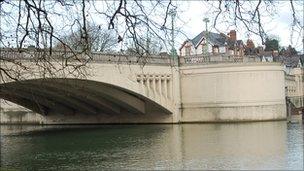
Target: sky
190 15
279 25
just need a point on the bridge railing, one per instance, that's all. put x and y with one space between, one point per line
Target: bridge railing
32 54
213 59
119 58
26 54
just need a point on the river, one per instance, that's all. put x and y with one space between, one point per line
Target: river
259 145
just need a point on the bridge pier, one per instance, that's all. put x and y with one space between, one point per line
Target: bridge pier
233 92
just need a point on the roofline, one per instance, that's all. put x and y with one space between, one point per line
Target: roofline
184 44
199 42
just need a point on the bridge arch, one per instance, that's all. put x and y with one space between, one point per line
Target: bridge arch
49 96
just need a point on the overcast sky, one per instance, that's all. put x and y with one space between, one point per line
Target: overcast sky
278 25
190 20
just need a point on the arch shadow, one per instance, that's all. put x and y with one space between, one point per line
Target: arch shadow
70 96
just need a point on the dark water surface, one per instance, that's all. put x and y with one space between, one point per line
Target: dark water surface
265 145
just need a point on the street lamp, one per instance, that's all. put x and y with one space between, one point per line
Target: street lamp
172 13
206 20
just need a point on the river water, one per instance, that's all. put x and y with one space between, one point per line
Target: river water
260 145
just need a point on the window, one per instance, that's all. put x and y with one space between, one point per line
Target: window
204 48
215 49
188 50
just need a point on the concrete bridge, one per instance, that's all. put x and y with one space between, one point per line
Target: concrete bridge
119 89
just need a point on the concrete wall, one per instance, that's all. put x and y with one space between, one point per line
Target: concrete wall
294 83
12 113
299 81
232 92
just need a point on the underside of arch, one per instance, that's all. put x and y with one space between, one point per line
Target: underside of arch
70 96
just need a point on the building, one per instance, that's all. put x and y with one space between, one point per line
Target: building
294 78
209 43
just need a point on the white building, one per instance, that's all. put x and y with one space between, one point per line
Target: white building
209 43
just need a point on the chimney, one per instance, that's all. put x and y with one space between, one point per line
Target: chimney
232 35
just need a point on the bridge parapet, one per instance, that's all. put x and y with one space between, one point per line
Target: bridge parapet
34 54
214 59
118 58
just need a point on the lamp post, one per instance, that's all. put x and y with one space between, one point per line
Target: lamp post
303 29
147 38
206 20
172 13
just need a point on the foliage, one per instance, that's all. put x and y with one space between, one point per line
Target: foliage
289 51
271 44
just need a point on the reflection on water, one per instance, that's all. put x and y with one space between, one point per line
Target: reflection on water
266 145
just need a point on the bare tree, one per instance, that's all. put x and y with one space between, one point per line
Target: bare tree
150 46
99 40
254 15
28 22
44 23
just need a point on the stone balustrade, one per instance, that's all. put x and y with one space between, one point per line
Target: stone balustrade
213 59
32 54
26 54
